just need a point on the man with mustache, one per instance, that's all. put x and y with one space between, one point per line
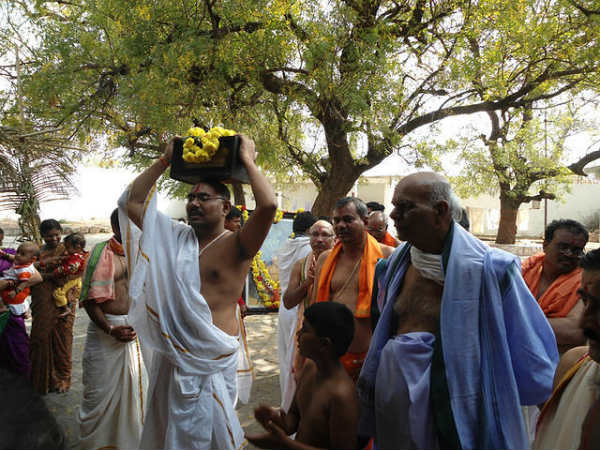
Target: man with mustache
460 343
185 283
345 275
569 420
553 278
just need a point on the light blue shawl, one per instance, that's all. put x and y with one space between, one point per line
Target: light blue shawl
499 350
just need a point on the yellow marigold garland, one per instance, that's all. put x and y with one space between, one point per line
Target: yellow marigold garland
267 288
200 146
278 214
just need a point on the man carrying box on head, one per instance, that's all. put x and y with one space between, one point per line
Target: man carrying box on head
185 282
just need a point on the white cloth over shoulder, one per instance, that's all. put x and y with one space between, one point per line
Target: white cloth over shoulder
428 265
292 251
561 426
114 390
193 373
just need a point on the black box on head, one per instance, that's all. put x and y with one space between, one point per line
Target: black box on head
225 165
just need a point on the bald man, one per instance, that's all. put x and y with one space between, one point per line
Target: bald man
345 275
461 343
377 227
302 276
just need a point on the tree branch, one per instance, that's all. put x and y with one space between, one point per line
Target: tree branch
577 167
542 195
586 12
490 105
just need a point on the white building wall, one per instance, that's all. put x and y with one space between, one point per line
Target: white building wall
579 204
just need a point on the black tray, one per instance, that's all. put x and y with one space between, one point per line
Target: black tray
224 166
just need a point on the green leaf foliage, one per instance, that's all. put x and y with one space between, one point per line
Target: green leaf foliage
326 89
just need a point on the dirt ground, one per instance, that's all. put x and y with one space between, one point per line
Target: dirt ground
262 341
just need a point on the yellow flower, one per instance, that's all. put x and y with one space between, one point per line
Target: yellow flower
196 132
210 143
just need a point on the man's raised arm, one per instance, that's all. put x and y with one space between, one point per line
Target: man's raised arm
143 183
254 232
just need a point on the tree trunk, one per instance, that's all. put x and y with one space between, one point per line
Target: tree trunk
507 229
238 193
335 187
342 173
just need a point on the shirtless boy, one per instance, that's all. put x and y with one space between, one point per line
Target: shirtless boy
324 412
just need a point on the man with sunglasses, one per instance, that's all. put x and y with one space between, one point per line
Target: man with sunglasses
185 283
553 278
569 420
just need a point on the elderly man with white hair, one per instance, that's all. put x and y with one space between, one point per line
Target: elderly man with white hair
461 343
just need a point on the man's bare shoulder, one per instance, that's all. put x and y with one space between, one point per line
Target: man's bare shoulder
568 360
386 250
323 256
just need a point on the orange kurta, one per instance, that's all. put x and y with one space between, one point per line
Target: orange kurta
388 239
371 254
561 296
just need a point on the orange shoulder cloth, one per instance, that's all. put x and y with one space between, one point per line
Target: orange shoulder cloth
561 295
388 239
371 254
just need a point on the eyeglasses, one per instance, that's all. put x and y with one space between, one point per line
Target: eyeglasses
376 230
323 235
565 248
203 197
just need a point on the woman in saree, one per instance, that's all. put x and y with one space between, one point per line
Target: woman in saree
51 335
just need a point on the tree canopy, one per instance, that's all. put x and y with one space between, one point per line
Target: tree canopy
36 159
328 89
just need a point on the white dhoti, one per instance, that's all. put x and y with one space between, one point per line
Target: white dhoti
561 422
114 388
193 380
286 338
292 251
245 368
403 417
179 405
